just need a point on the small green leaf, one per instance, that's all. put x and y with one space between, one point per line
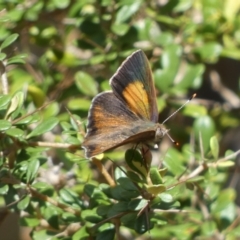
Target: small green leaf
25 120
155 176
208 228
97 59
16 104
89 189
229 153
226 164
170 57
120 193
37 95
4 100
86 84
103 209
72 140
156 189
79 104
192 77
51 110
127 184
17 59
49 32
105 85
43 234
82 233
204 128
66 126
126 11
231 10
172 162
15 132
129 219
162 171
233 53
214 146
120 28
61 4
29 222
32 169
193 110
4 125
166 197
196 179
137 204
223 206
67 195
51 215
45 126
135 162
30 119
170 61
134 177
209 52
3 188
2 56
119 174
162 38
69 217
182 6
91 215
40 186
106 234
9 40
142 224
117 208
23 204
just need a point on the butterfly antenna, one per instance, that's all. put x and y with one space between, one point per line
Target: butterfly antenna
171 139
193 96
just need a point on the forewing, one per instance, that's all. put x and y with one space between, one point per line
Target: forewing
133 84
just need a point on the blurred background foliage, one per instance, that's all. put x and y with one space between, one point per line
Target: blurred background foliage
57 55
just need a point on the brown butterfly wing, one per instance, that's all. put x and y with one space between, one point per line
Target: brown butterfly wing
133 84
112 124
126 115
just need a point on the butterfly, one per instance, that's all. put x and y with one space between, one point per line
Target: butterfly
128 113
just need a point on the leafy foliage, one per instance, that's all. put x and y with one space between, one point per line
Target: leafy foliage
56 56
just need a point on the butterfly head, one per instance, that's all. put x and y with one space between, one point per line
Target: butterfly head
159 133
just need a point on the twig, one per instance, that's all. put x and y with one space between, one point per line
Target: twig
53 202
202 167
3 76
31 113
53 145
103 171
174 211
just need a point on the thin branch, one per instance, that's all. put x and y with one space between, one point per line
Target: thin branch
45 198
13 203
233 155
174 211
53 145
202 167
3 76
103 171
31 113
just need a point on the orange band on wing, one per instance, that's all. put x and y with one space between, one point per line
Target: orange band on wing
137 99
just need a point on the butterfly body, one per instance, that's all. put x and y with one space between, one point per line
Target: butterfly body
128 113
